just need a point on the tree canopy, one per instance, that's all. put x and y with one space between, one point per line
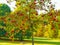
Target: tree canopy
4 9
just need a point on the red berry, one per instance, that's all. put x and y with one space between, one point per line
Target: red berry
50 14
12 31
11 37
21 14
13 21
6 34
35 2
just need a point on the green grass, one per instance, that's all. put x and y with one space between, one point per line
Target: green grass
45 41
37 41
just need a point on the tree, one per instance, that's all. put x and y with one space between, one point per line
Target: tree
4 9
30 7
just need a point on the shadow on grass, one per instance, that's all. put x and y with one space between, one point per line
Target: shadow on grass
9 41
30 41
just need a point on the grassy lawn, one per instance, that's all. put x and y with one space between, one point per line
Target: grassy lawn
38 41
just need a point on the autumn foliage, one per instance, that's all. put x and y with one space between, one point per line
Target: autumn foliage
20 23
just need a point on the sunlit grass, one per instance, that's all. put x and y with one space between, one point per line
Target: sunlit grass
22 44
